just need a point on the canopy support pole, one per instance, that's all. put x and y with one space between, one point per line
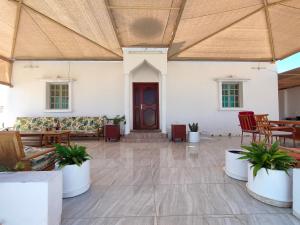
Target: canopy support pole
268 21
177 22
113 22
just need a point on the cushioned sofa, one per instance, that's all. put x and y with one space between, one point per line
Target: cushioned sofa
79 126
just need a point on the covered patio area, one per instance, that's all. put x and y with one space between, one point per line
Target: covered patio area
167 184
149 112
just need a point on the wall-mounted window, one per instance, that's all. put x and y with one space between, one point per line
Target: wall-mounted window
232 94
58 96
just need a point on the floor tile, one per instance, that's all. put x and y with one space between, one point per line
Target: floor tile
126 201
111 221
203 199
82 206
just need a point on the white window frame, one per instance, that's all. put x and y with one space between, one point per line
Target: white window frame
49 82
241 94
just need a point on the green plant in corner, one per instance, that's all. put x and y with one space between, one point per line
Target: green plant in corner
116 120
193 127
261 155
71 155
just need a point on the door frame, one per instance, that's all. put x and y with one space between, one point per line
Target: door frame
158 105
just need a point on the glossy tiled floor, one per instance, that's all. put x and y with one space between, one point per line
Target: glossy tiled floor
167 184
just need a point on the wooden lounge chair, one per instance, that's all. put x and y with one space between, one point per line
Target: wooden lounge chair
248 124
12 151
270 131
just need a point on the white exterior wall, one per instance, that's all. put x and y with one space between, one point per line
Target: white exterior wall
98 89
191 91
289 105
282 94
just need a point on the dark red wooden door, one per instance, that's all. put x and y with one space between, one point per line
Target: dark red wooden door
145 106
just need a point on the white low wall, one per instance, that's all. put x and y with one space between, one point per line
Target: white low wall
191 90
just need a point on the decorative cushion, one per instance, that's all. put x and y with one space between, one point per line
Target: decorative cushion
66 123
40 162
34 123
281 133
82 124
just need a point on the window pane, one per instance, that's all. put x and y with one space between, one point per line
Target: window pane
58 96
230 95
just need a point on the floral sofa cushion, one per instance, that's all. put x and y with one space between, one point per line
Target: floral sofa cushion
34 123
74 124
87 123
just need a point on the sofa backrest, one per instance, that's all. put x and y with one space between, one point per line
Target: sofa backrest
34 123
66 123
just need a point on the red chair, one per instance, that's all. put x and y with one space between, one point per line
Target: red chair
248 124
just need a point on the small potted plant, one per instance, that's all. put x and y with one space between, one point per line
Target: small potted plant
194 136
74 162
112 130
269 173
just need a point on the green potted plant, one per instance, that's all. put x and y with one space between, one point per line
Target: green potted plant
194 136
74 162
112 130
269 173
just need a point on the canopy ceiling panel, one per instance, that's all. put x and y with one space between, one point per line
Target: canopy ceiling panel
89 18
191 29
64 43
32 42
200 19
7 27
5 68
144 22
285 21
247 39
289 79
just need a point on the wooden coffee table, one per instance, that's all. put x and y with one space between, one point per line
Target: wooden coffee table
48 138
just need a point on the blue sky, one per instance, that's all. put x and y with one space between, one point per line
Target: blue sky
289 63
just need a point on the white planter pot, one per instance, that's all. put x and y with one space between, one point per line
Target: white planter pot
274 187
296 192
235 167
76 179
194 137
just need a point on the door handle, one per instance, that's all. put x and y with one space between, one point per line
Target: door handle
141 106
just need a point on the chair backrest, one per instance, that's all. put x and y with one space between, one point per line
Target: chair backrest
263 124
247 121
11 148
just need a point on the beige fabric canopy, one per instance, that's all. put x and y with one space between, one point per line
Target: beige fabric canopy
289 79
250 30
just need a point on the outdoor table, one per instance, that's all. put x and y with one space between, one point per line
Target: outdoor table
291 123
46 137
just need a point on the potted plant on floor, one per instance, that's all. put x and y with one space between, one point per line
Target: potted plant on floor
194 136
269 173
74 162
234 167
112 130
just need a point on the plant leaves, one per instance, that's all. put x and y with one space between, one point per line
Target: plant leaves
261 155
